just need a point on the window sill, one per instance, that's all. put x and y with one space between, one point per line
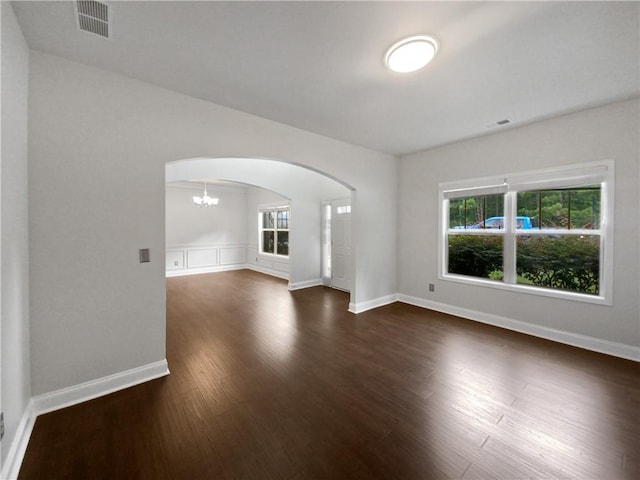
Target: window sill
531 290
274 256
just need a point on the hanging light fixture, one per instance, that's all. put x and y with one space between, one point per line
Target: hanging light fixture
205 200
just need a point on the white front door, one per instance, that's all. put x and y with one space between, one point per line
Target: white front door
341 244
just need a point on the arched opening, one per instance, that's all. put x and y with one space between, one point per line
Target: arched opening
254 189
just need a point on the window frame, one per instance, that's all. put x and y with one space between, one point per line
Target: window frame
559 177
275 209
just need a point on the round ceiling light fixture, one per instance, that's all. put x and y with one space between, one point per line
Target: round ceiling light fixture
411 54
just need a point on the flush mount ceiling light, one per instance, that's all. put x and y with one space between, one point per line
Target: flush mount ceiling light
205 200
411 54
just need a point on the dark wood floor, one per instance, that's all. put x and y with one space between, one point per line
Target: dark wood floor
271 384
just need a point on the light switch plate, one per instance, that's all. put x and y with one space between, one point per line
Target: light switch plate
144 255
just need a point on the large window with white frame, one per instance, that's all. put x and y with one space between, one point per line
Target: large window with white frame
274 231
546 232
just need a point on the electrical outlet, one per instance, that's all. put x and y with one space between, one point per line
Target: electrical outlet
1 425
432 287
144 255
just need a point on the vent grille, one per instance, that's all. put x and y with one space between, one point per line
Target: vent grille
499 123
93 17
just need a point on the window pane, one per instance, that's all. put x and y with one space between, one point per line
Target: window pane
283 219
267 242
476 255
562 262
283 243
484 211
585 208
562 209
527 206
267 219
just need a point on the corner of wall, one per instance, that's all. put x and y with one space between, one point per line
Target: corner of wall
15 370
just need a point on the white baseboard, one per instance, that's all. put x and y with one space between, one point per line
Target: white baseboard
621 350
18 447
306 284
66 397
199 270
256 268
268 271
371 304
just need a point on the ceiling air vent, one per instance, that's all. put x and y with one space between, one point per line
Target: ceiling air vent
93 17
499 123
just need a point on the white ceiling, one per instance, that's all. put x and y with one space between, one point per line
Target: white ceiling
319 65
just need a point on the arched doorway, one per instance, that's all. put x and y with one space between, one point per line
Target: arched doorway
305 191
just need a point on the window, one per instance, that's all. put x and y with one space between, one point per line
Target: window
274 231
543 232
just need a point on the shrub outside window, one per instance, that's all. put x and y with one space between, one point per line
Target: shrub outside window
541 232
274 231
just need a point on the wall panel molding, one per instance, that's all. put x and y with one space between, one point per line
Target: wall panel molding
192 259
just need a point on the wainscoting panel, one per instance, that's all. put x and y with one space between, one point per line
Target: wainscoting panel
233 255
190 260
271 264
202 258
175 260
252 254
186 260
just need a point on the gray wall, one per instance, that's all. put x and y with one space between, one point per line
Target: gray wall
99 143
14 241
190 226
609 132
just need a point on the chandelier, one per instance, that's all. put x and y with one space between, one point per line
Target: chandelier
205 200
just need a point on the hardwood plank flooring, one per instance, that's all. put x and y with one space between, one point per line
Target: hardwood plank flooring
271 384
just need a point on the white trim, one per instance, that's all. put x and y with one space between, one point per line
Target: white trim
629 352
67 397
240 266
182 258
268 271
274 256
371 304
316 282
577 174
529 289
586 172
199 270
18 447
262 209
475 191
